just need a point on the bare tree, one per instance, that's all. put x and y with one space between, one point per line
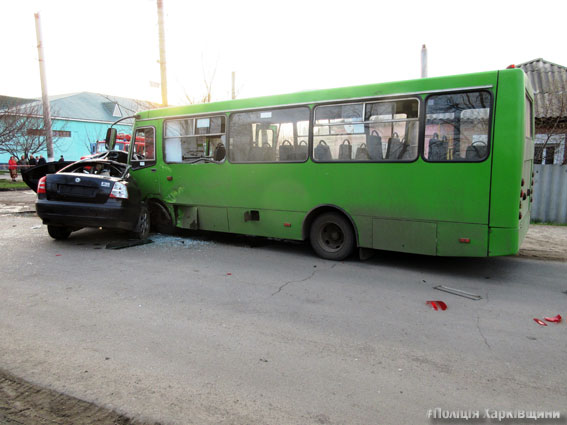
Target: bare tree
22 130
551 116
208 80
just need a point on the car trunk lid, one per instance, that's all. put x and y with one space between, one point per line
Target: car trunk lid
78 188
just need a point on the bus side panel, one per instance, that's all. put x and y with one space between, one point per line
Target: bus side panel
503 241
507 160
404 236
462 240
277 224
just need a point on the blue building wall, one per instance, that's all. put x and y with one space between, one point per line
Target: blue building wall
83 136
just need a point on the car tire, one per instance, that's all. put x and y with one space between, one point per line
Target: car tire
332 237
59 233
142 229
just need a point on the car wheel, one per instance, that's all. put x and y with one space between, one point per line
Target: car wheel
142 229
58 232
332 237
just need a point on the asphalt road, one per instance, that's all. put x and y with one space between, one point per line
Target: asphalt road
243 331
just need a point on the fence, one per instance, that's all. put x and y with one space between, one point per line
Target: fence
550 193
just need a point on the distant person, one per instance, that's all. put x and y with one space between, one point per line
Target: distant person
23 163
41 160
61 159
32 161
13 167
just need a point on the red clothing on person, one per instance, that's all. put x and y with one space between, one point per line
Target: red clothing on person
13 167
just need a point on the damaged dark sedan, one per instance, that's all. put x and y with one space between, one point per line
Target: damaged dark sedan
95 192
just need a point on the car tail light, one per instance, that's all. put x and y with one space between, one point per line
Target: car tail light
41 185
119 190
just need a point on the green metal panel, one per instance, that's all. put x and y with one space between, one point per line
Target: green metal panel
213 218
503 241
364 227
450 243
278 224
405 236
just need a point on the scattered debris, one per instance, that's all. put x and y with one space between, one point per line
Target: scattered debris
170 241
540 322
264 360
229 274
127 244
36 227
458 292
58 255
554 319
436 305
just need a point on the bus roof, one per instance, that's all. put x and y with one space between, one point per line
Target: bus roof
482 79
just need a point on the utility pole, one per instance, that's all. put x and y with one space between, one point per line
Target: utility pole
45 99
162 53
423 61
233 83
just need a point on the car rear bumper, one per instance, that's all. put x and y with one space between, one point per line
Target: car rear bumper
112 214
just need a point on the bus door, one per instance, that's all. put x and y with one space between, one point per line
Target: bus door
143 161
194 153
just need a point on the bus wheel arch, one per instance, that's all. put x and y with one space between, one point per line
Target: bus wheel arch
331 232
160 217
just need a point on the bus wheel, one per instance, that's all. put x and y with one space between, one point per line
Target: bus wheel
58 232
161 220
332 237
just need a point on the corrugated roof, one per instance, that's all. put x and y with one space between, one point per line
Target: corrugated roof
93 106
9 101
549 82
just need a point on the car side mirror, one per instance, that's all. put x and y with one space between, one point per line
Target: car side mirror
110 139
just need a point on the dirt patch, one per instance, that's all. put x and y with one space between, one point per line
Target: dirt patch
17 201
23 403
545 242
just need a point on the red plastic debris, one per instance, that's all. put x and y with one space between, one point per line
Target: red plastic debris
436 305
58 255
540 322
555 319
229 274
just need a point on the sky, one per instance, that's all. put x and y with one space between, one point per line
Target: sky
112 46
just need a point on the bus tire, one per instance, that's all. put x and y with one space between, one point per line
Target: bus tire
331 236
59 233
142 229
161 219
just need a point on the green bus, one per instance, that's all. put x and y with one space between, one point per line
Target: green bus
435 166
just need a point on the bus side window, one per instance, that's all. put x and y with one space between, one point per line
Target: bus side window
457 127
392 128
388 131
278 135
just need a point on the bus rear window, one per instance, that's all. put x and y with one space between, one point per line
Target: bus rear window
457 127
